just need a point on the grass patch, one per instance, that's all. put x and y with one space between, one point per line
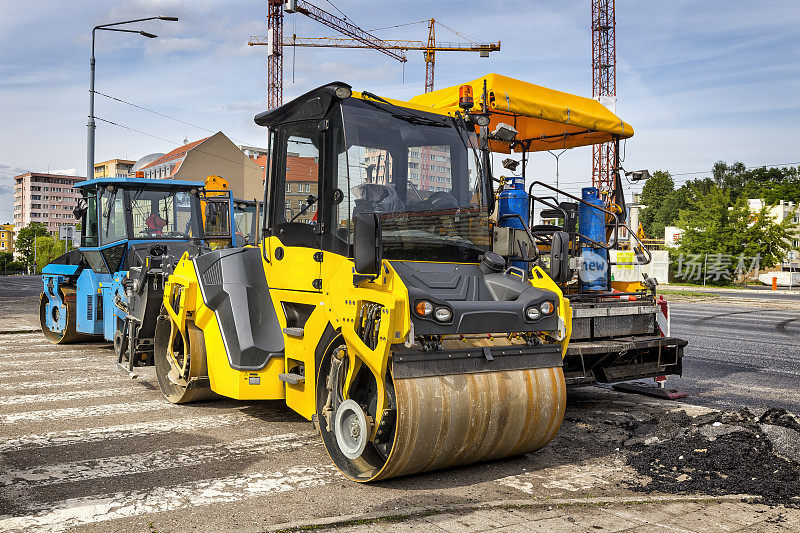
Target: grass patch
690 294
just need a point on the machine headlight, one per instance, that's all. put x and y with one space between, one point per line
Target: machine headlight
546 307
343 92
482 120
532 313
443 314
424 308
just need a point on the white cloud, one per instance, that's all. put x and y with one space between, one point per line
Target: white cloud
173 45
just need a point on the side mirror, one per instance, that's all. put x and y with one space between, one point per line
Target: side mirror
367 244
559 257
80 210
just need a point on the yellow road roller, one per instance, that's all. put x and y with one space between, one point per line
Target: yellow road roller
385 317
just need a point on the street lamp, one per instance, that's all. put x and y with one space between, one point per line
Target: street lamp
91 124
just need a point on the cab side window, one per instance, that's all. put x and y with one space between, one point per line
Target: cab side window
296 174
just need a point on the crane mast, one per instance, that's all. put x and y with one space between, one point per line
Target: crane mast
604 88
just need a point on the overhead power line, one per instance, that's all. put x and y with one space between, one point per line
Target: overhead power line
168 140
163 115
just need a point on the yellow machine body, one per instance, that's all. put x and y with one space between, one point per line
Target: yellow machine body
391 391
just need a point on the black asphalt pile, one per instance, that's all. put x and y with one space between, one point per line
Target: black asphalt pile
729 452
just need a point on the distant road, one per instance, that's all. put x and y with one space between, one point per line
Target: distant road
20 286
739 355
753 293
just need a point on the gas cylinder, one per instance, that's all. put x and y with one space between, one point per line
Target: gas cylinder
513 200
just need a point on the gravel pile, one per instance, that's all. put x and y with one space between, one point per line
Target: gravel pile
730 452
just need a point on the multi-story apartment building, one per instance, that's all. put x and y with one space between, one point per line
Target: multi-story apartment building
429 167
113 168
45 198
7 238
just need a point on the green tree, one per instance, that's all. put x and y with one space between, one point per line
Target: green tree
655 191
6 258
25 240
47 249
719 227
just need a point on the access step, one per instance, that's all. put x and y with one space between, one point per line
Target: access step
293 332
292 379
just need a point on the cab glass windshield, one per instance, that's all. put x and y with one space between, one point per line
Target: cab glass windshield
418 172
161 214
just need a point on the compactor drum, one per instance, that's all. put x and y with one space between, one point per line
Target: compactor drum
386 319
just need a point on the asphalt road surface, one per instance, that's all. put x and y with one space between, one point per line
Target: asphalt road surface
20 286
85 447
739 354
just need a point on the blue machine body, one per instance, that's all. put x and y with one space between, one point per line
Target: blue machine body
592 224
56 310
98 287
513 200
90 306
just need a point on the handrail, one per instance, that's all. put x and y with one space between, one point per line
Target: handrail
607 212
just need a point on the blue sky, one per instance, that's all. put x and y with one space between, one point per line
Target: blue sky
699 81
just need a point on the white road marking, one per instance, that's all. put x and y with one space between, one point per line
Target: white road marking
27 361
72 512
151 461
11 336
69 395
123 431
27 353
557 481
95 365
53 384
84 412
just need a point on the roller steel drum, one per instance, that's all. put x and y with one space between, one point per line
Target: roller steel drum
181 391
69 334
459 419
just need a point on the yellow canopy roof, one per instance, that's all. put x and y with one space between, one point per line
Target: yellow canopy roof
550 119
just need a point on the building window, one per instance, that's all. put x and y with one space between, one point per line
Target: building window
288 186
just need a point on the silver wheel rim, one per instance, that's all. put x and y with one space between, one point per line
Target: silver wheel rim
351 429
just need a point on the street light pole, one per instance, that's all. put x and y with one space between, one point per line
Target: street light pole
91 124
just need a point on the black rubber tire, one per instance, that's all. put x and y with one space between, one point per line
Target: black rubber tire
172 392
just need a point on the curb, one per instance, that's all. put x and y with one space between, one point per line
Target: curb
13 331
413 512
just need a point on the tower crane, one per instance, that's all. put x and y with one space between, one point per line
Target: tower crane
274 40
429 47
355 37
